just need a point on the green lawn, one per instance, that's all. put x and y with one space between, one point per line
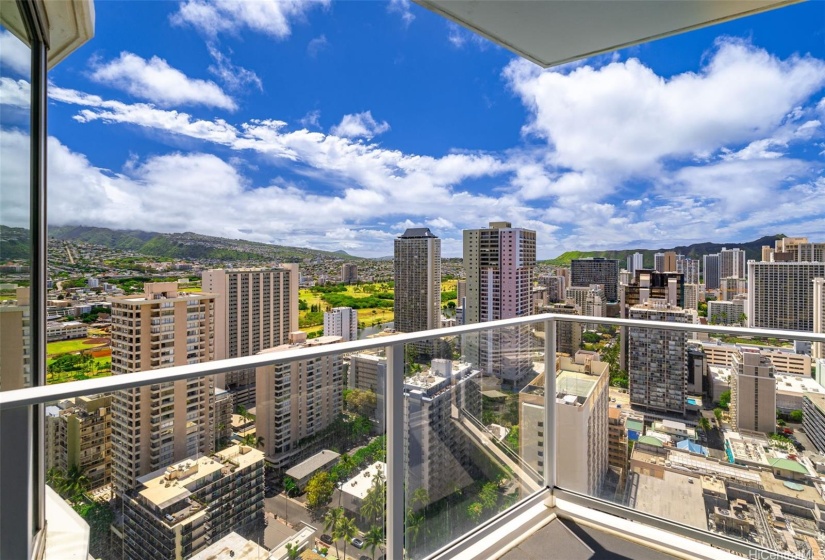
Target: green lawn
368 316
68 346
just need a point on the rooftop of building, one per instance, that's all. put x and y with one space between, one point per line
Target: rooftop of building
797 385
320 460
232 547
359 485
675 497
169 485
417 233
787 464
817 399
306 343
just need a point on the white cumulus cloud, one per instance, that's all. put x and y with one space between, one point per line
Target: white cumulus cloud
156 81
359 125
269 17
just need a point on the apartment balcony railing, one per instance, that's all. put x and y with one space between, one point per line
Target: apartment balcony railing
468 427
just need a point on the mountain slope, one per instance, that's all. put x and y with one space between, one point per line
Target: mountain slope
189 245
753 250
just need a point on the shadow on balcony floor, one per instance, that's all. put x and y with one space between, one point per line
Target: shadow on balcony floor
566 540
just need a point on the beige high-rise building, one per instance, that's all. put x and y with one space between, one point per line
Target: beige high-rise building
818 348
752 393
732 263
670 261
257 309
581 424
297 400
781 294
568 333
79 432
155 425
15 342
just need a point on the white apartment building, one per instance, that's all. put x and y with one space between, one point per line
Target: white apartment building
581 424
436 451
691 296
781 294
726 312
67 330
156 425
343 322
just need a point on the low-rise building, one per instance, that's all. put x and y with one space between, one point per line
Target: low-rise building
303 471
67 330
790 390
178 511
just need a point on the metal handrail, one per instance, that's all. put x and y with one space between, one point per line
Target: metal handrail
52 393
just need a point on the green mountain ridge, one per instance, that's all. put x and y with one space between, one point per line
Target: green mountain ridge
753 250
189 245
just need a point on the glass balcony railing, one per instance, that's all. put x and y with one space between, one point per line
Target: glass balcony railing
418 443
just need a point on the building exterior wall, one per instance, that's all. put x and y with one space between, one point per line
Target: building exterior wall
81 436
726 312
224 493
343 322
256 309
781 294
417 273
658 360
499 264
753 393
813 420
585 272
710 269
349 273
296 400
156 425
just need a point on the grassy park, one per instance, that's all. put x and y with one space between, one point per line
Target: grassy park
374 302
72 360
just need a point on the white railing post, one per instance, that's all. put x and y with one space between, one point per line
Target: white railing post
550 403
394 414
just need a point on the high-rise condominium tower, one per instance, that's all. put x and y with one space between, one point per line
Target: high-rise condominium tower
343 322
499 264
635 262
349 273
596 270
732 263
781 294
417 282
752 392
155 425
710 267
658 359
689 268
257 309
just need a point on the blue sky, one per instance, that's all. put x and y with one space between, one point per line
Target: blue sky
335 125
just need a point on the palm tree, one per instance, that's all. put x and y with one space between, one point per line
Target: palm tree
290 485
56 478
373 505
374 538
415 522
75 483
293 552
704 423
347 530
332 518
420 496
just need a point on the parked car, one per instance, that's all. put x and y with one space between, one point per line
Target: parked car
357 543
326 539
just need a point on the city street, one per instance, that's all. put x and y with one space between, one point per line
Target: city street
293 511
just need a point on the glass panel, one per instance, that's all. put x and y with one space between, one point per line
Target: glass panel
473 411
170 470
716 432
15 192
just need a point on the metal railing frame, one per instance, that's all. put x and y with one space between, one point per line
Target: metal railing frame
394 347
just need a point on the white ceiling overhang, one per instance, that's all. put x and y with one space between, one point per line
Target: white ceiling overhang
552 32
